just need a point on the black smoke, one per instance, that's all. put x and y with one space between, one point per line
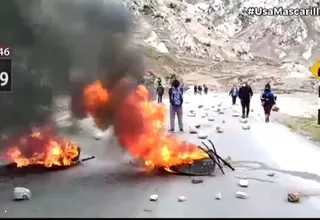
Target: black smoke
59 46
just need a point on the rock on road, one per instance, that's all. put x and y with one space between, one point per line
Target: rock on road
105 188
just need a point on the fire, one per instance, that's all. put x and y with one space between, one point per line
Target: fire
139 126
96 102
96 97
43 149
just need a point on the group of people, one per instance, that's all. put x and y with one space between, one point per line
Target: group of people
198 89
244 93
268 99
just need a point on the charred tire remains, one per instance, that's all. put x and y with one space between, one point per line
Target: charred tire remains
203 167
12 169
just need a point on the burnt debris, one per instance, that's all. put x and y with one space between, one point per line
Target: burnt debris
203 167
216 157
11 169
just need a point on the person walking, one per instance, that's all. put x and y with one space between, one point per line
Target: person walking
245 94
160 92
205 89
200 89
176 101
234 92
268 100
195 89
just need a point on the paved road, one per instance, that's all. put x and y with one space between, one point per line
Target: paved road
105 188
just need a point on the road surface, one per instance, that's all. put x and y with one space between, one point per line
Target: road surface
104 187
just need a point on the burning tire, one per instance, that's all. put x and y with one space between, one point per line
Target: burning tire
77 158
12 169
203 167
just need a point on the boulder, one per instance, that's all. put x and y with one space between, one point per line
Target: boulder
245 127
243 121
21 193
193 130
241 195
191 115
293 197
275 109
202 135
218 196
182 198
243 183
98 135
154 197
203 115
219 129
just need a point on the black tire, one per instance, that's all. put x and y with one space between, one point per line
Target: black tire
204 167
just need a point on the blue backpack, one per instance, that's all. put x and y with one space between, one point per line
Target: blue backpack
269 97
176 96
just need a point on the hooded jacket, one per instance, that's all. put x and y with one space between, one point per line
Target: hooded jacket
268 97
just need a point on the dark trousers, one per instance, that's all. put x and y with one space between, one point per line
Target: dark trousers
245 105
267 108
234 100
160 98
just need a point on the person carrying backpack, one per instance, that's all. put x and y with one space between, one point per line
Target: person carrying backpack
176 101
268 100
160 92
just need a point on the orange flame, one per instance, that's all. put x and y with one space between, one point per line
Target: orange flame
139 126
42 149
96 102
96 97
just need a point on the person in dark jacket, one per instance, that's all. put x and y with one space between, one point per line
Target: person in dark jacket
268 100
234 92
200 89
195 89
176 101
160 92
205 89
245 94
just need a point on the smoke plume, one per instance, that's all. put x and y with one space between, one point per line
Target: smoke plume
70 44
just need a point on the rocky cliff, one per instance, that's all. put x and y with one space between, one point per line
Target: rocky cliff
218 40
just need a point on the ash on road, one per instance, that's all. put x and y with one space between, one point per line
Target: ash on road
106 188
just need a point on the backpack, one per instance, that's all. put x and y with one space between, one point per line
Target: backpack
269 97
176 96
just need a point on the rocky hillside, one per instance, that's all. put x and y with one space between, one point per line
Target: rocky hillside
218 41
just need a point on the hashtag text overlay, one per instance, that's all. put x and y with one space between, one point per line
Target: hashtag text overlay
280 11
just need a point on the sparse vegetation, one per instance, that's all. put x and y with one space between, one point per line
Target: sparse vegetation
304 126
